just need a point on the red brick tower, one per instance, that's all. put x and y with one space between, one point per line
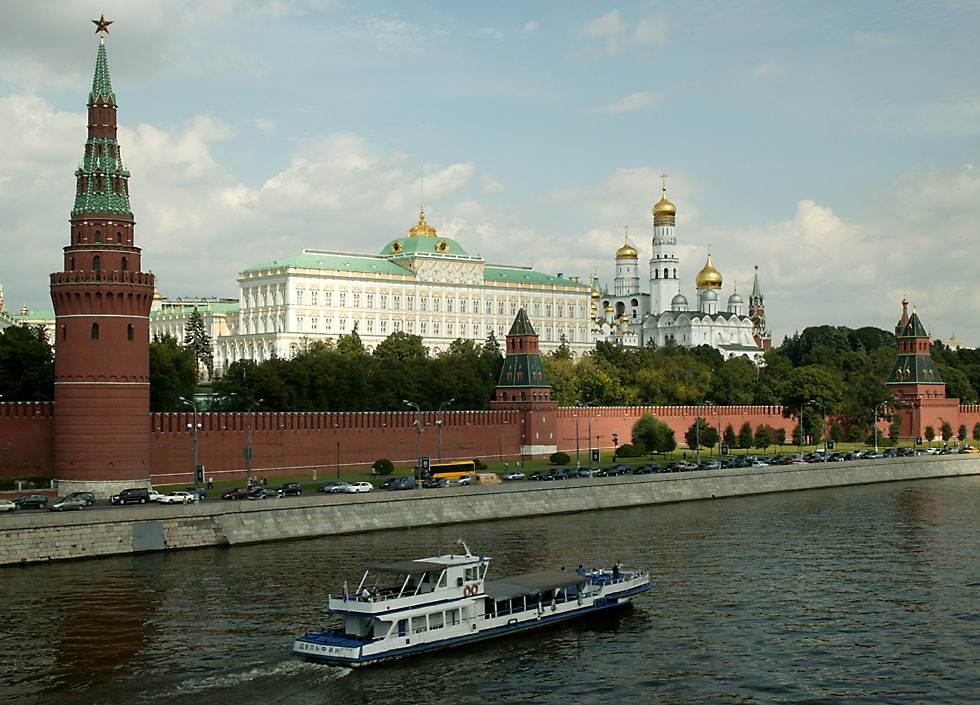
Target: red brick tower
523 386
102 305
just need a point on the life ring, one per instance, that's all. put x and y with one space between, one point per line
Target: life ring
470 591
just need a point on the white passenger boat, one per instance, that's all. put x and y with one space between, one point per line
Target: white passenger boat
408 607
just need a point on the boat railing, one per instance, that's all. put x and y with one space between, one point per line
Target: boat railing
607 577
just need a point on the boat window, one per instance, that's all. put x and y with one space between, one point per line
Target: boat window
452 616
418 624
436 621
442 579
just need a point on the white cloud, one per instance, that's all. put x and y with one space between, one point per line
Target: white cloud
492 184
633 101
615 34
529 27
766 70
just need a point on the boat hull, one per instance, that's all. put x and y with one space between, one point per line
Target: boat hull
308 649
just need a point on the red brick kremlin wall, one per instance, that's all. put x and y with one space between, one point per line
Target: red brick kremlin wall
296 443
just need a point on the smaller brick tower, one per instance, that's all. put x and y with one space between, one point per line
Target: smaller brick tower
102 305
916 383
523 386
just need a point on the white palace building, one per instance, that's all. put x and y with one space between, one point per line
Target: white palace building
428 285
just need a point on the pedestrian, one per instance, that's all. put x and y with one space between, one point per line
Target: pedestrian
580 570
211 482
616 571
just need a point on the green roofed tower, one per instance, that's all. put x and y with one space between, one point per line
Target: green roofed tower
914 365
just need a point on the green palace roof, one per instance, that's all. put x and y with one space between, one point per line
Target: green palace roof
311 259
521 275
43 315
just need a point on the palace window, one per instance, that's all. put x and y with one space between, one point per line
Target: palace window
410 300
384 326
423 328
449 328
548 311
343 298
435 303
500 308
397 301
397 326
343 325
449 305
410 326
370 325
299 297
537 309
328 298
488 308
561 311
314 298
476 305
435 328
476 330
384 301
422 303
299 323
370 300
314 322
357 300
513 308
462 305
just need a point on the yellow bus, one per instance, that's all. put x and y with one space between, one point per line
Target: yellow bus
453 470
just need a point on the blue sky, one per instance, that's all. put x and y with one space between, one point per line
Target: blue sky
832 145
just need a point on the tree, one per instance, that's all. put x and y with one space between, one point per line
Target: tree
961 433
701 431
745 436
930 433
976 431
198 340
26 364
383 466
403 346
653 434
350 344
173 373
895 428
813 382
729 438
563 351
780 436
946 430
763 437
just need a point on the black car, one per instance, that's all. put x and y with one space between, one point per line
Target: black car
563 474
199 492
265 493
133 495
436 482
291 488
87 497
330 485
540 475
402 482
31 501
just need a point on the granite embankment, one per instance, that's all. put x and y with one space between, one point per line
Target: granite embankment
39 537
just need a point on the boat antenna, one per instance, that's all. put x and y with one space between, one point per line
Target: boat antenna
462 543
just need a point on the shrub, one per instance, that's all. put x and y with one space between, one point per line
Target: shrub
559 458
629 450
383 466
479 464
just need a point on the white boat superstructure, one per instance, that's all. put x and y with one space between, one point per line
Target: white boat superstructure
406 607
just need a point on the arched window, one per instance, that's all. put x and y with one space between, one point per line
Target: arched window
656 274
118 236
675 274
666 274
130 332
95 331
124 264
64 331
98 236
97 264
71 263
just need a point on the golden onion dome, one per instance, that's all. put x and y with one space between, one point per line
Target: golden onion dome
156 295
627 251
664 211
709 277
608 309
595 294
421 228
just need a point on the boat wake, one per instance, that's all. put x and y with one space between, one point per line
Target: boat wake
315 672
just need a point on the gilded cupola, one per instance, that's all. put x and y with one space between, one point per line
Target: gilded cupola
709 277
664 212
421 228
627 251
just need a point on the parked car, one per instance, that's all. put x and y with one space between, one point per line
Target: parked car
563 474
7 506
179 497
437 482
333 486
759 464
265 493
401 482
712 465
516 475
68 504
86 497
31 501
133 495
465 480
539 475
238 493
873 456
588 472
291 488
359 487
199 492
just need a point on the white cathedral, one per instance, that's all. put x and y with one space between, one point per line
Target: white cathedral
633 318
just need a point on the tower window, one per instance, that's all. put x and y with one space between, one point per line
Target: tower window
97 263
64 331
124 268
95 331
666 274
118 236
71 263
130 332
675 274
98 236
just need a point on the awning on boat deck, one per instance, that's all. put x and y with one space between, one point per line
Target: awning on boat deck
409 567
532 584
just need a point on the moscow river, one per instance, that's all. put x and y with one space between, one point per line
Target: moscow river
853 595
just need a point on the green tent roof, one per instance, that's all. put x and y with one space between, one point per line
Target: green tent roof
423 245
914 369
914 328
522 325
523 371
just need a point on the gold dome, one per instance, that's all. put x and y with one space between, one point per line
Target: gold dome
627 251
664 211
709 277
156 295
421 228
608 309
595 294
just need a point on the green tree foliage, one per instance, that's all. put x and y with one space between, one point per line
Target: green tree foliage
946 431
703 431
895 428
729 438
745 435
930 433
653 435
961 433
26 364
976 431
559 458
173 374
383 466
780 437
763 437
198 340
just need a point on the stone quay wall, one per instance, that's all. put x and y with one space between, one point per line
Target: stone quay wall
42 536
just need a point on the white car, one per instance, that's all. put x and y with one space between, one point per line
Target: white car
514 476
759 464
155 496
7 506
359 487
177 498
465 480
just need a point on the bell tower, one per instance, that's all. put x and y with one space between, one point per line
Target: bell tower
102 304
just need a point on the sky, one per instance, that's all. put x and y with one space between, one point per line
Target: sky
832 144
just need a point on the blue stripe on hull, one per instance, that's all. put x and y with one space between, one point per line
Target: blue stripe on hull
600 605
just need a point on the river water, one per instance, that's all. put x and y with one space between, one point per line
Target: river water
854 595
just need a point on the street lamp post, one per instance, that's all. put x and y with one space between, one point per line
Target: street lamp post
877 406
803 406
578 460
248 438
442 422
196 427
418 432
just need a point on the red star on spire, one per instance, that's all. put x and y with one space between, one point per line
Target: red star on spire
102 25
